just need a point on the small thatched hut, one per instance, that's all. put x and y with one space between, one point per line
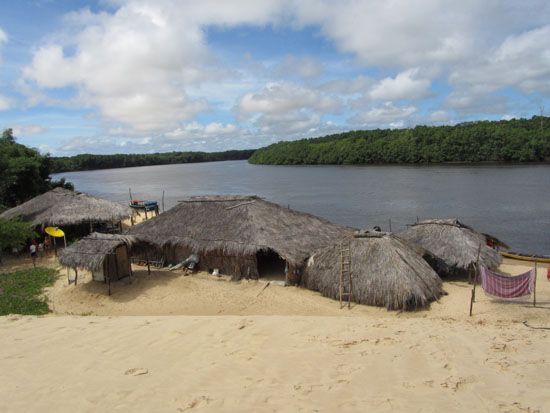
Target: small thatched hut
386 272
243 236
455 243
62 207
107 256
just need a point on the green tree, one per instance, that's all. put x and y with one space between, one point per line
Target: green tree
14 234
24 172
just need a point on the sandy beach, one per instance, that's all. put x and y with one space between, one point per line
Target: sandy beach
171 343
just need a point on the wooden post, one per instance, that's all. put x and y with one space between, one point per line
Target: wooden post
148 266
91 227
54 247
75 275
109 284
146 214
68 276
535 286
163 201
129 264
476 268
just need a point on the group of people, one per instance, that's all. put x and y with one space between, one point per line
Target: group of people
37 248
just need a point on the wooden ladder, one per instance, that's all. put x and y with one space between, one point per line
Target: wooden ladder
346 285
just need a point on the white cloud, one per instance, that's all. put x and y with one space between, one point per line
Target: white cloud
147 70
28 130
3 36
439 116
406 85
471 102
5 103
386 115
280 97
521 61
359 84
215 129
304 67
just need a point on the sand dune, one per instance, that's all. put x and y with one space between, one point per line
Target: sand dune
270 363
247 347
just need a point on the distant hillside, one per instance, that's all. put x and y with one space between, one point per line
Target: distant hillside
523 140
87 162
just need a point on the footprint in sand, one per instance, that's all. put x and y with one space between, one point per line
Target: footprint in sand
136 371
245 323
516 408
456 384
196 402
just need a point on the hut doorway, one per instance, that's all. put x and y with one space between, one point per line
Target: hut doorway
270 265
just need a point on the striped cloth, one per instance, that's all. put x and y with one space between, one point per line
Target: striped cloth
503 286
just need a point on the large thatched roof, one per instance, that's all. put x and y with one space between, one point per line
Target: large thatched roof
239 225
455 243
63 207
387 272
90 252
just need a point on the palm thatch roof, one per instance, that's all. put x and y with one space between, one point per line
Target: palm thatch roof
63 207
452 241
237 226
90 252
386 272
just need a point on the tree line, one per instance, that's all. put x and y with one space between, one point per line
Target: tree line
86 162
516 140
24 174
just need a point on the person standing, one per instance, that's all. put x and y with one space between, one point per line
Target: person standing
32 250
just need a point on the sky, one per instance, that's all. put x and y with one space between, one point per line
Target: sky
136 76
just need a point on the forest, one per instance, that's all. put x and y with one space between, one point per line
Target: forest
25 172
86 162
517 140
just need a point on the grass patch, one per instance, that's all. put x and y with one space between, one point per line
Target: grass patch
21 291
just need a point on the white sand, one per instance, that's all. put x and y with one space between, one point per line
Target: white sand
222 352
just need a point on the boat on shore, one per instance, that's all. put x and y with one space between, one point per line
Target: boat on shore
525 257
141 204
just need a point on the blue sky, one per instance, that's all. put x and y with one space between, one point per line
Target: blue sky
121 76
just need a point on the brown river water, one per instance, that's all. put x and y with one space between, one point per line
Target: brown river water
511 202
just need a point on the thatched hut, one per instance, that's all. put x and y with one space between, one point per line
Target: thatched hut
386 272
242 236
106 256
62 207
455 243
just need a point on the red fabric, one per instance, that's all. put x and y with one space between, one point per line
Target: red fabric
503 286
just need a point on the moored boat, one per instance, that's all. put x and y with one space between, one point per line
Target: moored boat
144 204
525 257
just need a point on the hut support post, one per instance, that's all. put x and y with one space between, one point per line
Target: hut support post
54 247
476 269
148 266
75 275
109 282
131 273
535 286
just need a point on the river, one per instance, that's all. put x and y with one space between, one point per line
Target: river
511 202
